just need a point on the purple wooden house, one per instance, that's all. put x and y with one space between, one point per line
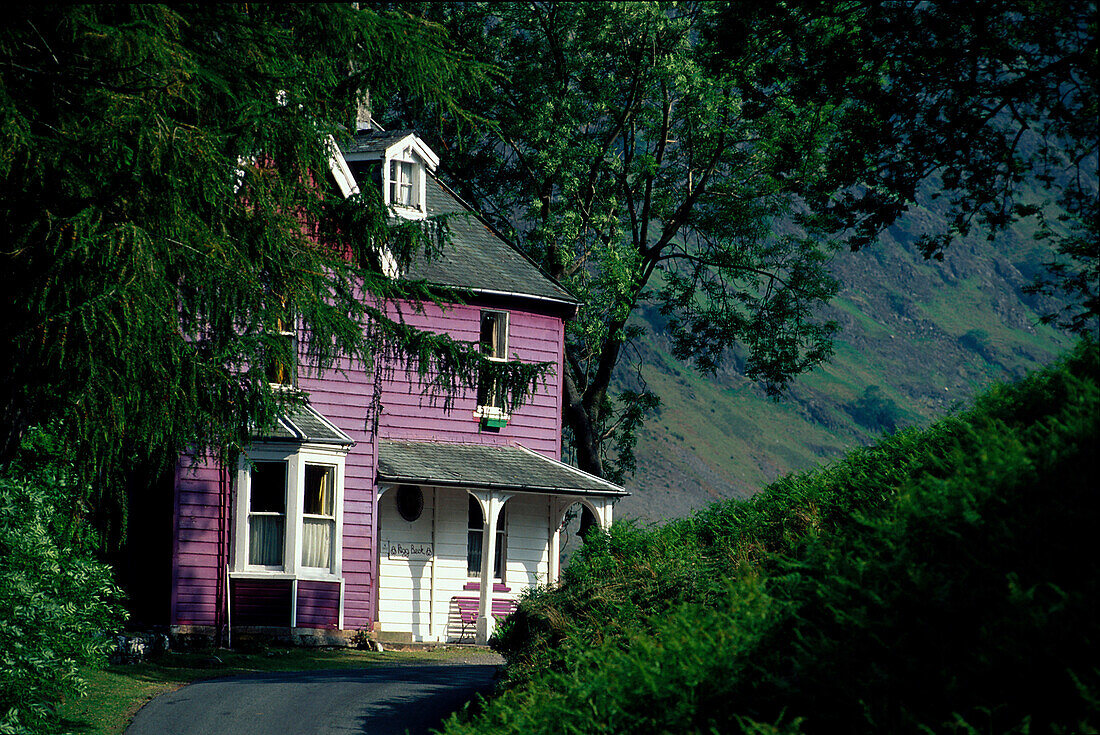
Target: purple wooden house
411 522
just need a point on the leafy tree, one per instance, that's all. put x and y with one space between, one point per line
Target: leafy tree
708 157
163 218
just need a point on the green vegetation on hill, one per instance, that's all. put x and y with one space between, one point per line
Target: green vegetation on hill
941 580
921 336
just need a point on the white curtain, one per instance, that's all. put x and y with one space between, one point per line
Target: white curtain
317 542
265 540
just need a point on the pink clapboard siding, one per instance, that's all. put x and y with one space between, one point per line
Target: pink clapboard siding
345 399
318 604
408 413
344 395
196 569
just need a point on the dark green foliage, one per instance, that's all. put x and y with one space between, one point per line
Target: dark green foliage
165 213
58 605
942 580
874 411
703 158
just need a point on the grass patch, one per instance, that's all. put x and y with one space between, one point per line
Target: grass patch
115 694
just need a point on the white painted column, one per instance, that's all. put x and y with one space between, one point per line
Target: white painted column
603 512
485 620
554 561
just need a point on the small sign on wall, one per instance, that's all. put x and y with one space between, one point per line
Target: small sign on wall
404 550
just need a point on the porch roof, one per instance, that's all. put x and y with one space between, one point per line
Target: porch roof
478 466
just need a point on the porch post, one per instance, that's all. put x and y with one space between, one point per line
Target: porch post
485 620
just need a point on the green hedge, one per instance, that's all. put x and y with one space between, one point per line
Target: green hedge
941 581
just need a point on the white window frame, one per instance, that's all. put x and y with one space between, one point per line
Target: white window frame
492 410
296 457
405 155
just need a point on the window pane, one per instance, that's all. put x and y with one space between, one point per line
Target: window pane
319 490
498 557
473 554
317 537
474 514
265 540
489 334
268 492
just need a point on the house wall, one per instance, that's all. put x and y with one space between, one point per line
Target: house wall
417 596
344 397
196 571
408 414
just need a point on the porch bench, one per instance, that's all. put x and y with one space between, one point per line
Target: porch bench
502 607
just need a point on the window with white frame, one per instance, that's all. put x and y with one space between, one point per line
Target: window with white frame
494 345
281 358
288 511
476 525
405 183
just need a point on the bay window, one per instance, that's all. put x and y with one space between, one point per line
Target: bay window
288 511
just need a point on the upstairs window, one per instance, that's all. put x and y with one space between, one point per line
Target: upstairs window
402 185
405 184
494 345
282 354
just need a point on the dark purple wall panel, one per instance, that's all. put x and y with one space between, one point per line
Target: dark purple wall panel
195 565
261 602
318 604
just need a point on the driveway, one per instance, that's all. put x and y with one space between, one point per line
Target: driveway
380 700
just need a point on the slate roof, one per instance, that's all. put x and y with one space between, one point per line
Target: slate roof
374 141
305 425
478 259
478 466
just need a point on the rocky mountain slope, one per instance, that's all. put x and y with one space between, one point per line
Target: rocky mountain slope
916 338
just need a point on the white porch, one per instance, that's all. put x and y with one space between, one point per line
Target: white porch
448 520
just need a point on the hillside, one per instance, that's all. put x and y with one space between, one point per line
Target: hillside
916 338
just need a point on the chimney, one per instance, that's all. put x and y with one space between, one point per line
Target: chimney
362 115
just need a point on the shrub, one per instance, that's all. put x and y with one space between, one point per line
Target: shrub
58 605
942 580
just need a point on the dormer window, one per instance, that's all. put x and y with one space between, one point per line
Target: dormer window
403 187
405 182
398 161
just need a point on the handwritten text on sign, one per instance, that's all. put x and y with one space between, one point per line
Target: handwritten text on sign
406 550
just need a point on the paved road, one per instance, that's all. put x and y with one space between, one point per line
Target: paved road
375 701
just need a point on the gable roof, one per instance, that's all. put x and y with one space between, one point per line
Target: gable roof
478 258
375 145
478 466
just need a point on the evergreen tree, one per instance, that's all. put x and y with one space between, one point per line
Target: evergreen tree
165 215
